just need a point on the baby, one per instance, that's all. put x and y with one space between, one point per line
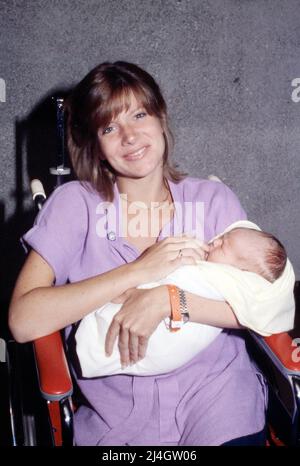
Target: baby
245 267
249 250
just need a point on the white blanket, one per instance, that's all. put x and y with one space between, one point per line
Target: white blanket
258 304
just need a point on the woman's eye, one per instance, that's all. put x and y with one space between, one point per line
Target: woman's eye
140 115
107 130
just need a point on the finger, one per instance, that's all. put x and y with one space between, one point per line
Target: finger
119 299
124 347
176 239
143 343
196 253
200 244
133 348
185 237
187 243
186 261
111 337
124 296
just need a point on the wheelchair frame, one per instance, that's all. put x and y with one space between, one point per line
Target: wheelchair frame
273 354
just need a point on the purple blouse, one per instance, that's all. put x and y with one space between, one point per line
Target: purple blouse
218 395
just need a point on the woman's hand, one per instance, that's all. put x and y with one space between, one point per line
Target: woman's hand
142 311
167 255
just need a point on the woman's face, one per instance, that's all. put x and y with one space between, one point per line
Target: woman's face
133 143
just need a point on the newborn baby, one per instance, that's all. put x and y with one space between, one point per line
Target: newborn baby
249 250
245 267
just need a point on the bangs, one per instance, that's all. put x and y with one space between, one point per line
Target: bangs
104 93
117 100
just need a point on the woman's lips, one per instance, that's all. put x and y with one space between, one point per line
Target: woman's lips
136 155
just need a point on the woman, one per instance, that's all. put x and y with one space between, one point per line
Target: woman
89 234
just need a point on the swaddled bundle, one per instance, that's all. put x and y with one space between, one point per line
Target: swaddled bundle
258 304
165 351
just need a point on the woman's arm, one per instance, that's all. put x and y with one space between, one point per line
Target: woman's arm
211 312
143 310
38 308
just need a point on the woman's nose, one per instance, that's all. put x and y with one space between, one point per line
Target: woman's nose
128 134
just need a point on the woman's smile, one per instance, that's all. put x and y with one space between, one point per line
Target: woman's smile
136 155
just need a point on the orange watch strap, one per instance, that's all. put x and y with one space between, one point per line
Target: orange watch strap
175 307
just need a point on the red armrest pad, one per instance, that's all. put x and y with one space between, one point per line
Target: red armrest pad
54 375
282 346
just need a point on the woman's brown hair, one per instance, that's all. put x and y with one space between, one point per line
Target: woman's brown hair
96 101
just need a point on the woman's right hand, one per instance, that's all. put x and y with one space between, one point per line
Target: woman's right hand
167 255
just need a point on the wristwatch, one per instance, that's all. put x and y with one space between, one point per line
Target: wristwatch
183 306
179 313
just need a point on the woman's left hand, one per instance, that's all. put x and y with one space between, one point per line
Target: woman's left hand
142 311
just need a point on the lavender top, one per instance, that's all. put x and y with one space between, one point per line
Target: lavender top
217 396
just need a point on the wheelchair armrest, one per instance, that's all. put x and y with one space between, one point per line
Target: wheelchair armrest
53 370
281 344
281 350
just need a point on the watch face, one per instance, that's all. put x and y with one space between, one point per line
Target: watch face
185 317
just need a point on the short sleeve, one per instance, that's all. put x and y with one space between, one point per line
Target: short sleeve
59 230
227 208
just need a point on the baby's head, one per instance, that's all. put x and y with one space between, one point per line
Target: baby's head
250 250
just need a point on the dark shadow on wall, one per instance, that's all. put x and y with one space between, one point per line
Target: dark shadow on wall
36 146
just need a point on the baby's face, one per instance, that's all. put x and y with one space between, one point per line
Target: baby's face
231 248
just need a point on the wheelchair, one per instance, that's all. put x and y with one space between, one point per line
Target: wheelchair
277 356
40 398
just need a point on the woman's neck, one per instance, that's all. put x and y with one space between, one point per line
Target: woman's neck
144 190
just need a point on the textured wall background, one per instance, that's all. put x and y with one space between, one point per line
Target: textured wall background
225 67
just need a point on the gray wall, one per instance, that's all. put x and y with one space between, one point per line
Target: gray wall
225 67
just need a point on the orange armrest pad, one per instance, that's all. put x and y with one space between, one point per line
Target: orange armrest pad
282 346
52 366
